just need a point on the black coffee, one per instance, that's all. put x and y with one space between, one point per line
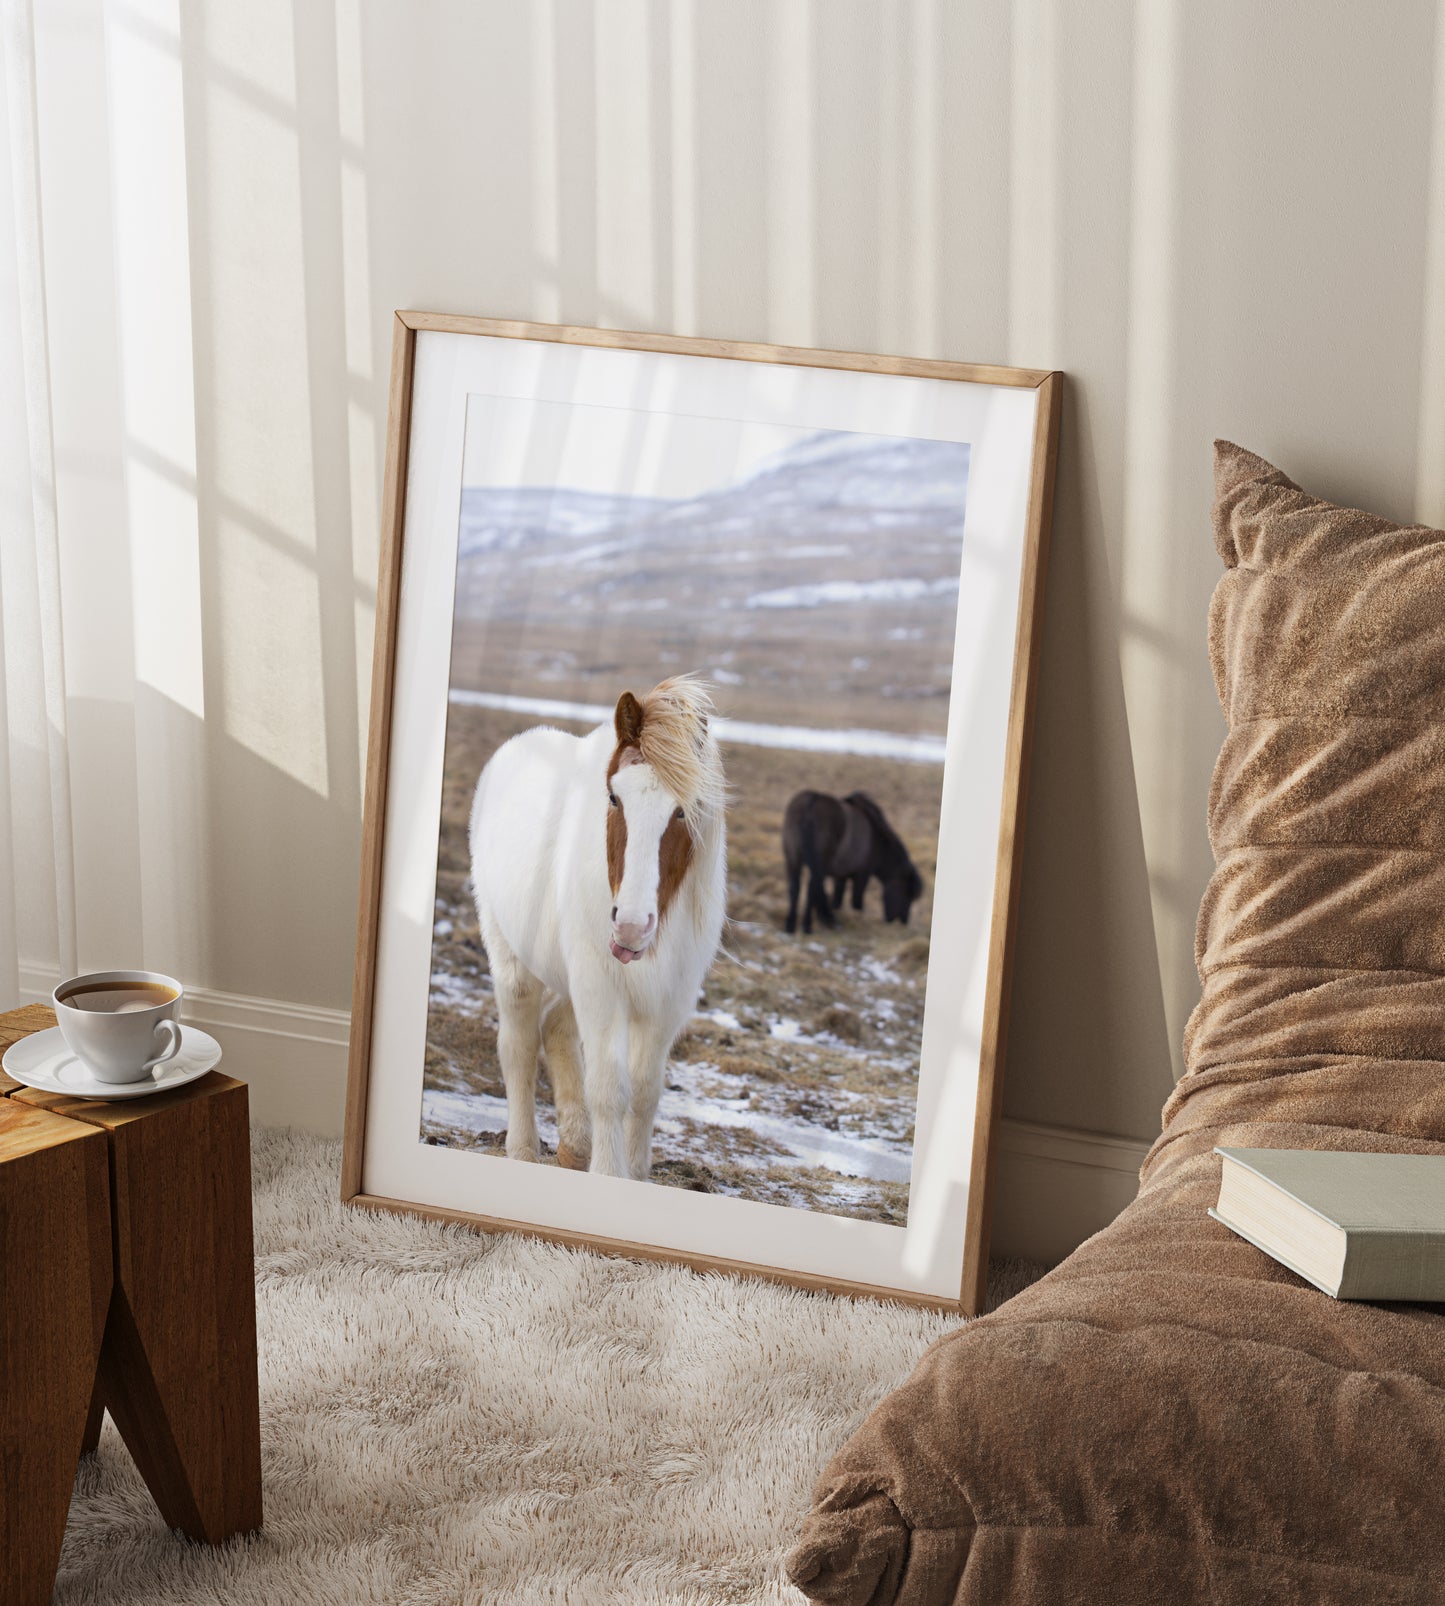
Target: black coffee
118 997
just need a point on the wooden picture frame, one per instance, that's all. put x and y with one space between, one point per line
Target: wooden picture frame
1046 394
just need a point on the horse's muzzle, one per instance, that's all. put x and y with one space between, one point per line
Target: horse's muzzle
631 937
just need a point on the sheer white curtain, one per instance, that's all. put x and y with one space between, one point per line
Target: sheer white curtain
37 854
191 412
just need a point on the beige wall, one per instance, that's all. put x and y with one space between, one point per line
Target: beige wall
1222 218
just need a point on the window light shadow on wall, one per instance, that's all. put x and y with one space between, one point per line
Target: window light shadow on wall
1148 571
241 185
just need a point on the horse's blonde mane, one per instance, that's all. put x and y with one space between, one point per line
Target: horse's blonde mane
677 741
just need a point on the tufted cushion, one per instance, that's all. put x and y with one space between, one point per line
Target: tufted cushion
1170 1415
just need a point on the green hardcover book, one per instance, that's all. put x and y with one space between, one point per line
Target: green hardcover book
1359 1226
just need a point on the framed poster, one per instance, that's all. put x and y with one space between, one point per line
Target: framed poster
700 719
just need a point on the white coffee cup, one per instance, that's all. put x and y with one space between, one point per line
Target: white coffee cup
120 1024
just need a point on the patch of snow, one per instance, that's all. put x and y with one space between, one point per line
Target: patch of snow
463 993
721 1017
828 1040
580 557
805 1143
858 743
792 738
479 1112
824 592
703 1096
791 1031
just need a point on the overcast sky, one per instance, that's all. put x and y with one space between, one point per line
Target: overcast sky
512 442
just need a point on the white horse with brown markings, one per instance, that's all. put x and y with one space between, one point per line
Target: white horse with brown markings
599 869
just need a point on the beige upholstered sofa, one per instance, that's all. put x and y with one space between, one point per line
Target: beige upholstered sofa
1170 1416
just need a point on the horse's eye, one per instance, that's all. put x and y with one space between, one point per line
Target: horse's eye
612 799
677 814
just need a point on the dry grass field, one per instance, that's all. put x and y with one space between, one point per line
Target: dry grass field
796 1081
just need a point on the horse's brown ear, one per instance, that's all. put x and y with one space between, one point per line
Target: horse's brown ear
628 720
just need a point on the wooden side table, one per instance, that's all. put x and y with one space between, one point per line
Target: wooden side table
18 1023
55 1287
177 1367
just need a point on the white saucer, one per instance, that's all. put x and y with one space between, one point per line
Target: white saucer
43 1061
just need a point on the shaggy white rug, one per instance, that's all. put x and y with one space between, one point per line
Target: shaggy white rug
453 1418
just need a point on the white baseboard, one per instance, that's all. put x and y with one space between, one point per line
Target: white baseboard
293 1056
1055 1186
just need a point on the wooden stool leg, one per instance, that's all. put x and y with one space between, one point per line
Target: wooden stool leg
178 1364
178 1367
94 1418
55 1281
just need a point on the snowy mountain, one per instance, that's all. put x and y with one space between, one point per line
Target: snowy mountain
827 500
841 541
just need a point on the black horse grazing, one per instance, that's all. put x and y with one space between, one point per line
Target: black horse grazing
850 840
